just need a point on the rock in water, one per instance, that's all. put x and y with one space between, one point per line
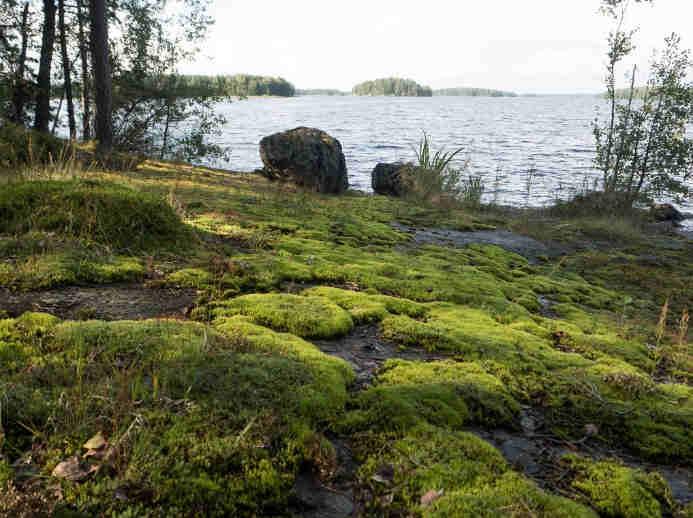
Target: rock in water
386 179
666 212
309 157
394 179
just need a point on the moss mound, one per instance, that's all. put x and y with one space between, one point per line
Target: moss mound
431 471
369 307
310 317
20 146
443 393
196 421
616 490
97 211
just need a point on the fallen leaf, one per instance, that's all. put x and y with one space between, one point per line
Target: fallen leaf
431 497
70 469
95 443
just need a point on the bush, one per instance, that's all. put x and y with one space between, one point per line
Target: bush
591 203
97 211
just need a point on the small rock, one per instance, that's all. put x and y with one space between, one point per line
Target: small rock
528 423
386 179
121 494
522 453
666 212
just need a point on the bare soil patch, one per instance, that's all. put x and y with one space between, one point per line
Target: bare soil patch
112 302
525 246
367 352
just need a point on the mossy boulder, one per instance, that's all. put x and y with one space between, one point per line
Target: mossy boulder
308 157
98 211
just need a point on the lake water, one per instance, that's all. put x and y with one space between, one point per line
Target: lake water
503 138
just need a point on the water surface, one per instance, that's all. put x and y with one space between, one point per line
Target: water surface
503 138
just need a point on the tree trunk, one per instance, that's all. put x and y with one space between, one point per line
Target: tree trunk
164 145
101 67
43 94
86 83
19 90
57 112
67 79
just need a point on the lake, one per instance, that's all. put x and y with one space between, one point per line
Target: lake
503 138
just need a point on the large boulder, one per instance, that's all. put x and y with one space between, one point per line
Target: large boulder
308 157
390 179
666 212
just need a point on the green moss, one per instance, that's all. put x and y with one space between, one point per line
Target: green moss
460 329
6 472
654 270
313 317
400 408
575 388
212 421
98 211
327 394
510 495
190 278
365 307
22 339
618 491
444 393
486 397
216 421
470 476
68 268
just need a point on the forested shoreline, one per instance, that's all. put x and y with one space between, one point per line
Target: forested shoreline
472 92
392 86
238 85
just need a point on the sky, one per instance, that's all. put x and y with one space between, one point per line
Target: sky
526 46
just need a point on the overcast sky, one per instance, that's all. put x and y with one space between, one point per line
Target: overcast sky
528 46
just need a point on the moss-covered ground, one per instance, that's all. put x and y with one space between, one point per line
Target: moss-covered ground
217 415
